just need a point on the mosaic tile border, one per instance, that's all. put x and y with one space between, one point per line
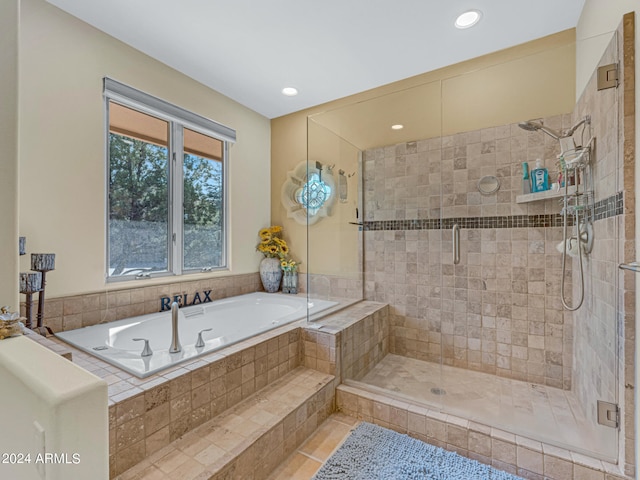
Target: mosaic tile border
608 207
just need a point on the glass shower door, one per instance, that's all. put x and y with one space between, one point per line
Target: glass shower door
395 221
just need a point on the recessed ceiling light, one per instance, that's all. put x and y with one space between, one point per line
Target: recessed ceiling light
397 127
290 91
468 19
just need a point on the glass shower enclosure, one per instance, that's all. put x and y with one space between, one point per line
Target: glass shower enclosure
427 214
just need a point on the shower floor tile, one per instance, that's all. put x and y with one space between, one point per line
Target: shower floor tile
538 412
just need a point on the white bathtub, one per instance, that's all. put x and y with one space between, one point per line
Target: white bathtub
231 320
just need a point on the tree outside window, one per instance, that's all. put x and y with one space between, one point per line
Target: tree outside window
154 227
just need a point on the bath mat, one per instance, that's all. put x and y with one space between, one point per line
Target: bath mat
375 453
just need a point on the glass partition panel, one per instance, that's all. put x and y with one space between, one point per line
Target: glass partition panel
332 201
386 155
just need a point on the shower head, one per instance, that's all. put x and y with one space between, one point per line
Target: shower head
533 126
530 126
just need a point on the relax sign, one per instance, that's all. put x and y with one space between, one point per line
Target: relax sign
184 300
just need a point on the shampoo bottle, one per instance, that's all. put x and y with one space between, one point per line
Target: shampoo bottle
539 178
526 183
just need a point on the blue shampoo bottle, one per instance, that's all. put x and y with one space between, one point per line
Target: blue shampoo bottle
539 178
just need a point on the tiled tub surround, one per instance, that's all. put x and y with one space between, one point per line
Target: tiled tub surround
349 343
149 418
76 311
146 415
186 397
69 313
230 320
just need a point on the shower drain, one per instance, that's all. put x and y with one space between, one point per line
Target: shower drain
438 391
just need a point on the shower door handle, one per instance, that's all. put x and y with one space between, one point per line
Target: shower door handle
456 244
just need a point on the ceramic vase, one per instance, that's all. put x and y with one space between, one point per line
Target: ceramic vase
270 274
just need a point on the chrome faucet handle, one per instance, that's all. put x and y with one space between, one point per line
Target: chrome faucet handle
200 342
146 351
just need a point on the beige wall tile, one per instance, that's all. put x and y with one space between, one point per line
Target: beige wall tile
503 451
530 460
156 418
557 468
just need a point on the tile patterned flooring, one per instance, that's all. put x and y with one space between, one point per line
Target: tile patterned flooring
307 460
539 412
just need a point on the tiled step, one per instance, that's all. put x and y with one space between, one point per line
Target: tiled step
249 440
305 462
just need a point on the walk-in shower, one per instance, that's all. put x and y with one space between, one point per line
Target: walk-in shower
515 333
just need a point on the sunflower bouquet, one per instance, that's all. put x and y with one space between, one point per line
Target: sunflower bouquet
289 265
272 244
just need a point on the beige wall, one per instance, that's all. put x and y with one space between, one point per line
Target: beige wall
532 86
62 157
333 239
598 22
9 152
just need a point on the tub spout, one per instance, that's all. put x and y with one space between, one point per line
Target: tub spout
175 341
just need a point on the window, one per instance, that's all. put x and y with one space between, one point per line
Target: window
166 187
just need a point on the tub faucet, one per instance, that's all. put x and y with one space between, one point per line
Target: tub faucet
175 341
146 352
200 341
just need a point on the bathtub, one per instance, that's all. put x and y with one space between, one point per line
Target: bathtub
231 319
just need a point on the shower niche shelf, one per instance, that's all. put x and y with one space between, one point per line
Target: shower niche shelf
547 194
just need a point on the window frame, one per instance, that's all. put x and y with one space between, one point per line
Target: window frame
178 119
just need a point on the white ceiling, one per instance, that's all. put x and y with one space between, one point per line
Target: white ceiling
249 50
